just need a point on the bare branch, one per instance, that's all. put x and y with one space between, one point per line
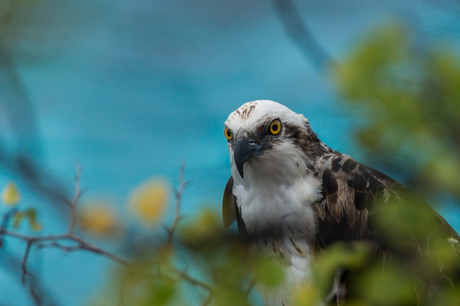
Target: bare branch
5 222
249 288
94 249
24 262
193 281
51 241
208 300
54 241
70 242
75 200
300 34
37 291
177 216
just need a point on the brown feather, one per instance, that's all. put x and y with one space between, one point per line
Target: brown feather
349 194
230 211
228 204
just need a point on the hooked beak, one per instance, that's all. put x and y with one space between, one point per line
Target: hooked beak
245 149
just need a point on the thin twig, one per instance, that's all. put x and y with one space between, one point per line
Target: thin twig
59 241
177 216
53 241
208 300
24 262
72 205
6 221
249 288
193 281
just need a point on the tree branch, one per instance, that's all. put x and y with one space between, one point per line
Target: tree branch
55 241
177 216
300 34
70 242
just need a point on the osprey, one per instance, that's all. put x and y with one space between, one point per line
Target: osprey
293 193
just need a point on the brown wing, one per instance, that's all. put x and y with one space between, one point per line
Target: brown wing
352 196
352 193
230 211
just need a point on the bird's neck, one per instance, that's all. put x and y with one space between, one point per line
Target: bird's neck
280 194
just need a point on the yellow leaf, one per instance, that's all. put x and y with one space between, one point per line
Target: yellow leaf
306 295
204 226
149 201
10 195
98 219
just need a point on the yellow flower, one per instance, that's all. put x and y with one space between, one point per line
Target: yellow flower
149 201
98 219
10 194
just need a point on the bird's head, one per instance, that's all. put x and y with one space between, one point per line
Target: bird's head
266 138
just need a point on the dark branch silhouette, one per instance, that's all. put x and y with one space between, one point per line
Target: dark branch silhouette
300 34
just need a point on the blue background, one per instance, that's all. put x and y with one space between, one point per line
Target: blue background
133 88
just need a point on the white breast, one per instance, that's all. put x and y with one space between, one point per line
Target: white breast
284 203
274 205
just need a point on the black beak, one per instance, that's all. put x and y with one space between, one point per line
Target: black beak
245 149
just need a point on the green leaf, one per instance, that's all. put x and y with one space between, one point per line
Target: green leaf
161 292
269 271
17 219
31 215
388 285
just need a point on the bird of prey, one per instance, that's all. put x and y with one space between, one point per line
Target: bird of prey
293 193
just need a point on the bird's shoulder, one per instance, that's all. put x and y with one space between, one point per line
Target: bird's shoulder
351 192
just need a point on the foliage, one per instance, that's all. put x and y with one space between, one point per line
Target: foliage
411 102
10 195
411 97
149 200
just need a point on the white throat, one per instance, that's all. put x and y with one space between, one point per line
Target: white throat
277 190
278 193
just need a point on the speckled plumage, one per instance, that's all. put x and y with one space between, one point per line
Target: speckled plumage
302 193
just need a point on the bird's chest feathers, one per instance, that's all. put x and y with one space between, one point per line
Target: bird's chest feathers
274 203
287 208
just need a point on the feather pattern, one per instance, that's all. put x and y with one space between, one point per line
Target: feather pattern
298 194
351 192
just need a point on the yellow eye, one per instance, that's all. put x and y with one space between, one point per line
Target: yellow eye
228 134
275 127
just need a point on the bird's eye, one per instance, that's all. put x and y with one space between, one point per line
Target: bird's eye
228 134
275 127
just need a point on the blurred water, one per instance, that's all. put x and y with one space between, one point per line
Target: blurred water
132 89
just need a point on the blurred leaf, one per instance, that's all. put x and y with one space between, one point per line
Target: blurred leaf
402 220
31 215
206 225
225 296
161 292
388 285
10 194
307 295
17 219
358 75
268 271
338 256
98 219
149 201
412 103
448 297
